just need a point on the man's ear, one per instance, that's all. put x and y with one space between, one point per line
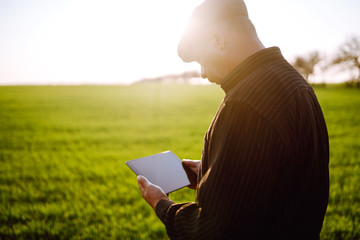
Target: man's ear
217 38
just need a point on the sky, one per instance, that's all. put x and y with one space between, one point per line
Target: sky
119 42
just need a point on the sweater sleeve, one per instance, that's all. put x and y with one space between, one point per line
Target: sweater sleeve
186 221
237 182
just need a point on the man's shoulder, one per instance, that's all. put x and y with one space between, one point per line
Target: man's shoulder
269 90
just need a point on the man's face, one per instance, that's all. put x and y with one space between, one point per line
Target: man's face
209 55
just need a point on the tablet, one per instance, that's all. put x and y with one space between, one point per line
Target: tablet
163 169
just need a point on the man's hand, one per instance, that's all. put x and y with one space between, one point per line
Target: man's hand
150 192
194 166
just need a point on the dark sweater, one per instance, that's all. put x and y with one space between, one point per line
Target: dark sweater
264 166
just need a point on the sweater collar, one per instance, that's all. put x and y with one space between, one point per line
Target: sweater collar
252 63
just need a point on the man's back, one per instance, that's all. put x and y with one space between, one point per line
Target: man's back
265 158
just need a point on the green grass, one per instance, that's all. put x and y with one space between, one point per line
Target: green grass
63 148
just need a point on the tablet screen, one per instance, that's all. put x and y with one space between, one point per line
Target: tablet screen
162 169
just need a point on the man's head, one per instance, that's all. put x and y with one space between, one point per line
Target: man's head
219 37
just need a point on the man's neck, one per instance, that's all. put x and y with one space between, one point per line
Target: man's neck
246 49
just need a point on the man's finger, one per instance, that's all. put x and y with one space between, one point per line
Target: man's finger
190 163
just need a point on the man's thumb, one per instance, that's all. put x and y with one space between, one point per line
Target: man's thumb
142 181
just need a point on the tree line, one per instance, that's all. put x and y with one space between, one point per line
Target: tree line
347 56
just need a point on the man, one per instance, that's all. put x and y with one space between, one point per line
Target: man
264 166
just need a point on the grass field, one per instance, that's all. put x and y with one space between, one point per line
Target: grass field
63 148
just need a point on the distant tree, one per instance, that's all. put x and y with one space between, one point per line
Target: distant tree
190 74
306 65
184 77
349 54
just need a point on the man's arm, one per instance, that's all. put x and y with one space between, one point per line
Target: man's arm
191 222
236 191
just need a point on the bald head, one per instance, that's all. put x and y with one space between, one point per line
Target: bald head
210 13
219 37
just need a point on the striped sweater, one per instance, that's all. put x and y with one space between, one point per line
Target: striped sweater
264 166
